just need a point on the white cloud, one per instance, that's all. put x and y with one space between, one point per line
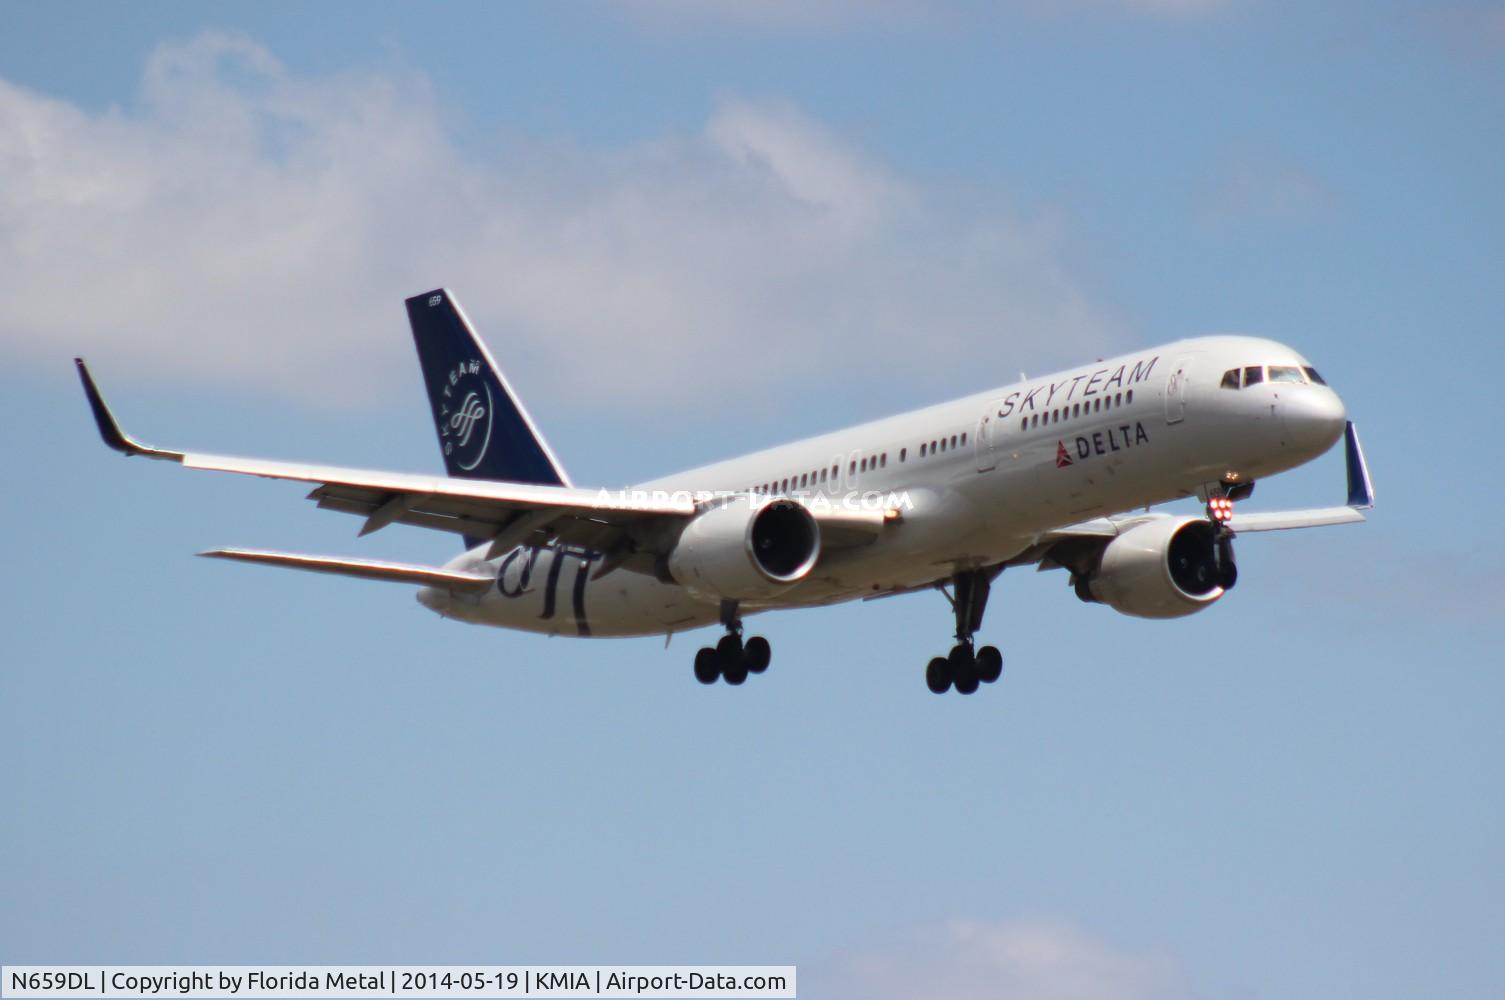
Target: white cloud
242 223
1028 960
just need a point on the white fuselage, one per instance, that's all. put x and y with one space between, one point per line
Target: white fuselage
976 481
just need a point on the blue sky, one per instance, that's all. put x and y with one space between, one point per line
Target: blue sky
688 232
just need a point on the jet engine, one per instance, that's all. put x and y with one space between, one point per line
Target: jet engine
745 550
1166 568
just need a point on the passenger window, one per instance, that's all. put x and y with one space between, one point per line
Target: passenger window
964 437
1253 375
903 452
883 460
932 447
822 475
853 471
1129 396
804 481
1076 409
1036 420
1024 424
1097 404
1284 373
1230 379
922 450
1311 373
953 440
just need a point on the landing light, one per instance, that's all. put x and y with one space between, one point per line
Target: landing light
1220 509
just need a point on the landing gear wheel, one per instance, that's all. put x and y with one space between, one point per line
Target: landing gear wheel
729 648
989 664
735 671
963 668
757 654
707 665
938 675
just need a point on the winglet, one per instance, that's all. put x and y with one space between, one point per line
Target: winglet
110 430
1360 489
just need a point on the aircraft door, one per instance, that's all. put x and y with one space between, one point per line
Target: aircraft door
989 437
1175 392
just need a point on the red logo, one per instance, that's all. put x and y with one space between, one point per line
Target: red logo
1062 458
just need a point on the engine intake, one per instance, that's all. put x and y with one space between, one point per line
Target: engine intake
1166 568
743 550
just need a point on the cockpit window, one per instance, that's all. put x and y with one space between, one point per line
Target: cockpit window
1311 373
1285 373
1253 374
1230 379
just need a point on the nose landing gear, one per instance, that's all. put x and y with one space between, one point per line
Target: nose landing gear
966 667
1220 512
731 658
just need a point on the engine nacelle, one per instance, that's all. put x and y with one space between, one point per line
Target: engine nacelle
743 550
1167 568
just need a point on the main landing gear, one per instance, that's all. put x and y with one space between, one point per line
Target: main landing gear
966 667
732 658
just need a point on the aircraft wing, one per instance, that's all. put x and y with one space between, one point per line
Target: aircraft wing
1360 499
508 514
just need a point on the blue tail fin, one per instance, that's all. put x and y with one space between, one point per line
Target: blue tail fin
484 432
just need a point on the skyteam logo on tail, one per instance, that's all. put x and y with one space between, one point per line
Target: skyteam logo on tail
466 409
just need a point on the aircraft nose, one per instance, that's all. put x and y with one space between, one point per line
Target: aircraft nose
1313 418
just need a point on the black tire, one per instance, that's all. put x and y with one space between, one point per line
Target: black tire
734 672
729 647
757 654
1227 575
707 665
989 664
963 668
938 675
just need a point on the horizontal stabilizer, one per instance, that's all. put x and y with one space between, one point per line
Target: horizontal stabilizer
365 569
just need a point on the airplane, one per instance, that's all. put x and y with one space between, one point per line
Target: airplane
1056 472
